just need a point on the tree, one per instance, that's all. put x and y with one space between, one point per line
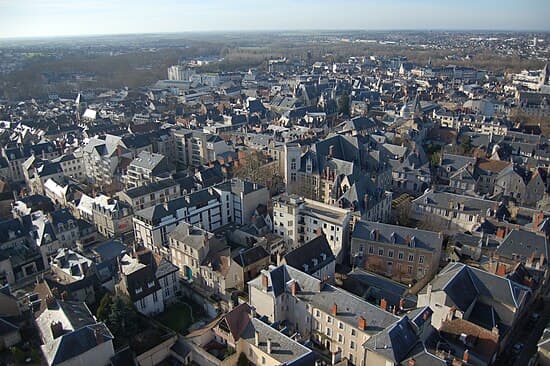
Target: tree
104 308
254 166
122 319
466 144
343 104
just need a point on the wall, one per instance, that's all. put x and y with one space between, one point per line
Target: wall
156 354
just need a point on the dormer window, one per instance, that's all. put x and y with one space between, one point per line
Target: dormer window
151 284
139 290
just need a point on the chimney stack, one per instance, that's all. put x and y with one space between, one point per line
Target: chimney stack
265 282
257 338
501 269
57 329
412 362
466 356
383 304
269 345
334 309
98 335
331 151
293 288
362 323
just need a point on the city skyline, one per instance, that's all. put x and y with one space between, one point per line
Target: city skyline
48 18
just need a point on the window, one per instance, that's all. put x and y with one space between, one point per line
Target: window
340 338
390 253
421 259
380 251
329 319
371 249
353 332
155 297
409 270
328 332
142 303
352 345
340 325
411 257
317 313
400 255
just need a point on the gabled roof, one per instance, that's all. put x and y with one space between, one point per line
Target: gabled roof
316 254
250 256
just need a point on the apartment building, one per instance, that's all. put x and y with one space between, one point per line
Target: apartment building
402 253
299 220
151 194
322 313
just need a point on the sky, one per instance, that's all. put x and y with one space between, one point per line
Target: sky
43 18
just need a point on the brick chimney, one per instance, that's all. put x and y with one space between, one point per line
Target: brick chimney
362 323
466 356
334 310
426 315
401 304
265 282
293 288
319 231
383 304
501 233
501 269
411 362
542 259
377 235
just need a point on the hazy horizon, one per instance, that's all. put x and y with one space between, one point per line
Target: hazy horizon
61 18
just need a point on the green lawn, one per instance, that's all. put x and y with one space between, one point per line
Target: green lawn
177 317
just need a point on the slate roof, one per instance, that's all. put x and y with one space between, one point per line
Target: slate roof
250 256
75 343
150 188
522 244
311 254
394 342
464 285
398 235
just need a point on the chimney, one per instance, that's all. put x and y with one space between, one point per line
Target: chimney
383 304
500 232
411 362
293 288
541 259
466 356
50 302
98 335
257 338
57 329
376 234
402 302
501 269
269 345
334 309
532 258
64 296
331 151
426 315
265 282
362 323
